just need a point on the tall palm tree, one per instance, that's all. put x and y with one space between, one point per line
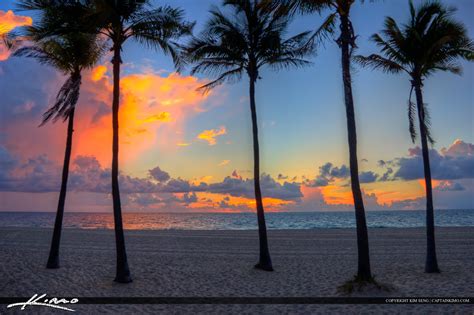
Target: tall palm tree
159 28
118 21
432 40
71 55
339 10
244 42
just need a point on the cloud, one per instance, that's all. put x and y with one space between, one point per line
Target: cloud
239 187
224 163
7 164
161 191
452 163
190 197
159 175
459 148
449 186
98 73
329 173
183 144
236 175
155 107
40 174
8 22
368 177
211 135
163 117
33 175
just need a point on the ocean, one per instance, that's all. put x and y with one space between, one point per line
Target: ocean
236 221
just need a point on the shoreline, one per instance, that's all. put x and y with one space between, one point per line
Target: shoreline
316 229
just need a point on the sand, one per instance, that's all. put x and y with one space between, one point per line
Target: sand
308 263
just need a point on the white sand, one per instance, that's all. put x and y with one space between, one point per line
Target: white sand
219 263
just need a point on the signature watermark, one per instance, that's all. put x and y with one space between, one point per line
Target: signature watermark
41 300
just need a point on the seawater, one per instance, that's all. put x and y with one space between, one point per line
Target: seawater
237 221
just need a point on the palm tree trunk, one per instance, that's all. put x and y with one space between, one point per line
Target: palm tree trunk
123 272
431 265
346 40
265 262
53 259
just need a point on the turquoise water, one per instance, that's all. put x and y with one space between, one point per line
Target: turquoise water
237 221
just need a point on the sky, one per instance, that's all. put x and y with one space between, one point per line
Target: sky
182 151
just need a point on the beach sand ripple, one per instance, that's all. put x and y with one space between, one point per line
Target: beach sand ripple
308 263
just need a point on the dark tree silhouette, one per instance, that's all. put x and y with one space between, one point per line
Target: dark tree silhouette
158 28
430 41
340 11
69 53
243 42
117 21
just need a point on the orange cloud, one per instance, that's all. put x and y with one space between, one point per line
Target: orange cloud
225 203
163 117
211 134
9 21
98 73
434 183
388 193
336 195
153 112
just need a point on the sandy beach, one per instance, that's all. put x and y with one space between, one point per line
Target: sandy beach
308 263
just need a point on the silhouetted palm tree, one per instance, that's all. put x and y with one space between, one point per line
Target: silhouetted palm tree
244 42
159 28
340 10
69 53
430 41
118 21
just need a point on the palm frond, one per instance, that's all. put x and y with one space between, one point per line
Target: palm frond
67 52
412 117
230 76
290 53
308 6
427 124
66 100
6 40
430 41
159 29
325 30
245 39
378 62
44 56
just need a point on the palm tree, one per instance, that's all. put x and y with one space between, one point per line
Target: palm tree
71 55
159 28
117 21
340 10
244 42
430 41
